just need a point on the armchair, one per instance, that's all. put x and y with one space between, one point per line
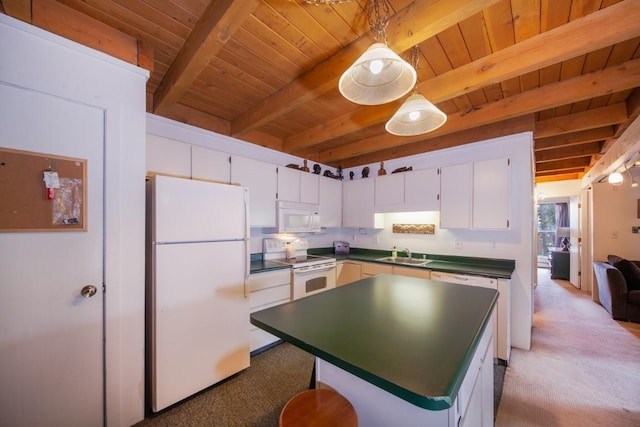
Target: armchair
619 287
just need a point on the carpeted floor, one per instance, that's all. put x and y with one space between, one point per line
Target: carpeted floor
583 368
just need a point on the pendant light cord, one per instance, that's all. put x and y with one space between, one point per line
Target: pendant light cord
378 12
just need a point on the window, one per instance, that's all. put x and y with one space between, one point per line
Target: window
550 217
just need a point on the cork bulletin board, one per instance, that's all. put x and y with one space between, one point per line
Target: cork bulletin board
27 205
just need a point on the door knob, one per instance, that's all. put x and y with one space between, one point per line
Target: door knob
88 291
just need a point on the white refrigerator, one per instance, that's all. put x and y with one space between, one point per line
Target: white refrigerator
197 299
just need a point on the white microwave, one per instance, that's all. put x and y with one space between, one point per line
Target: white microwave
294 217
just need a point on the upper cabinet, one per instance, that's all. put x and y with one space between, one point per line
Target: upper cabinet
262 181
358 204
210 165
475 195
330 197
297 186
455 196
408 192
168 157
491 194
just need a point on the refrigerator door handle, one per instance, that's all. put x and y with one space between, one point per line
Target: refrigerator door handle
247 241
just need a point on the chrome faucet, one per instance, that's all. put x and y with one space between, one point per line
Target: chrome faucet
408 252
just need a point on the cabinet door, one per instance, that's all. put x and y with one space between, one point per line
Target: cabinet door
309 188
491 194
422 190
372 269
411 272
168 157
261 180
210 165
357 204
348 272
455 196
288 184
330 196
389 192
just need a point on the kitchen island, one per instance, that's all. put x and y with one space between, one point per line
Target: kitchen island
404 351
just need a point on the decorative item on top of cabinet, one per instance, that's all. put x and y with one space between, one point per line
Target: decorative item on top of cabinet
317 169
382 171
351 174
293 166
305 168
403 169
365 172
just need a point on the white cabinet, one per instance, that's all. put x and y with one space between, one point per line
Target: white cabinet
491 194
422 190
357 204
266 290
475 195
210 165
455 196
168 157
502 313
389 192
408 192
330 198
297 186
262 181
347 272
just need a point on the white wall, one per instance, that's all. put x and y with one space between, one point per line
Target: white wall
43 62
615 211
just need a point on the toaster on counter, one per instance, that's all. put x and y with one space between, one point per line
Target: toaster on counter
341 248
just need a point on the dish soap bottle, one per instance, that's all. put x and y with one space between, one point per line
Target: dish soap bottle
394 252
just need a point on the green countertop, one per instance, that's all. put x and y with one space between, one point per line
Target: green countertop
411 337
487 267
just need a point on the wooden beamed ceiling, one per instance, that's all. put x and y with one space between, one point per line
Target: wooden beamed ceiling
266 71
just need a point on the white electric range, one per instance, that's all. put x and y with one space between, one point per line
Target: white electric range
310 274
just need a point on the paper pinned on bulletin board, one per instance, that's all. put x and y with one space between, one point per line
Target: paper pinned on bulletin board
41 192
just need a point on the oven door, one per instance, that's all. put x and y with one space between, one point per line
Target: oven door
311 280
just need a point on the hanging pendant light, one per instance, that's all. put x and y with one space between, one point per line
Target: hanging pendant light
417 115
379 75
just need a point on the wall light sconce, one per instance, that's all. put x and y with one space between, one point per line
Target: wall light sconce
379 75
615 178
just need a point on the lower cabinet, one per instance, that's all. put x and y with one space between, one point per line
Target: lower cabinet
412 272
266 290
371 269
502 314
347 272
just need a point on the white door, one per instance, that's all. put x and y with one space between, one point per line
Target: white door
574 238
51 336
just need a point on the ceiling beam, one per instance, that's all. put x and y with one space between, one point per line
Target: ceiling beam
574 138
481 133
584 120
563 165
569 152
215 27
586 86
405 29
19 9
614 24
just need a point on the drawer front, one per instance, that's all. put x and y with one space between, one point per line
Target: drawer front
269 279
265 298
371 269
463 279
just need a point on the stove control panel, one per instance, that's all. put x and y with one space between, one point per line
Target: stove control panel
280 245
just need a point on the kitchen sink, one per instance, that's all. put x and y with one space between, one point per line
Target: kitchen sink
405 260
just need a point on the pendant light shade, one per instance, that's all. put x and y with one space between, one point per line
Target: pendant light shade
377 77
415 116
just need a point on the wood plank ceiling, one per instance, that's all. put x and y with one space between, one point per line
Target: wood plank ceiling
266 71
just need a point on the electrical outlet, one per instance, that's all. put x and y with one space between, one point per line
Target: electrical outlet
458 244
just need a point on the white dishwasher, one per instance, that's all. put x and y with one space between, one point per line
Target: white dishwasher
484 282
